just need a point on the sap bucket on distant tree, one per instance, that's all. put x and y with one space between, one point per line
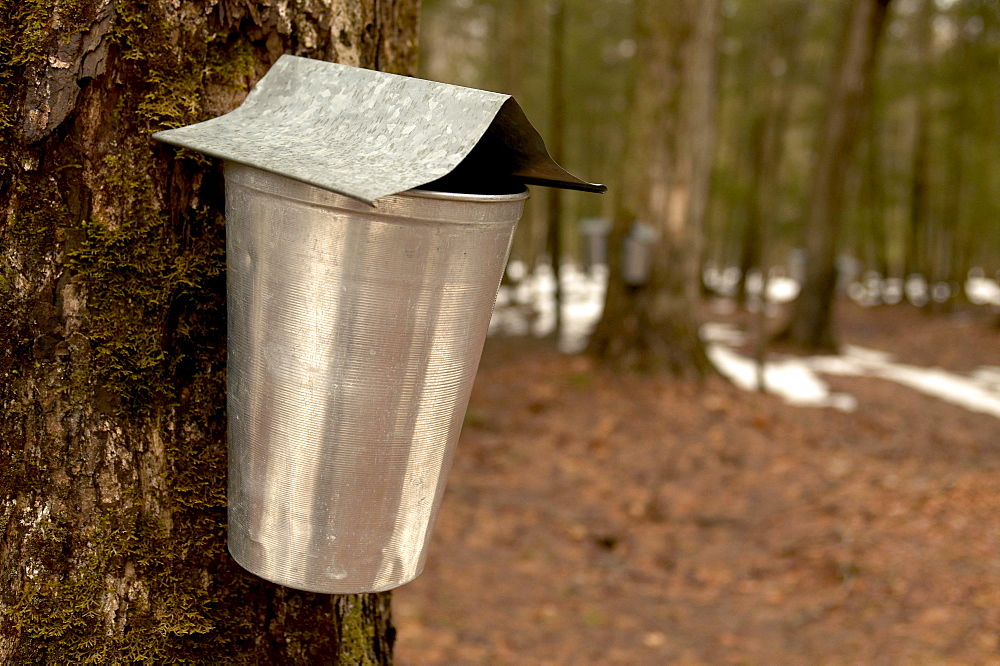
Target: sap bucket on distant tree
369 218
637 253
595 232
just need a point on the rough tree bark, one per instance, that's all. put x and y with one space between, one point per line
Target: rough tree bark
112 322
811 323
668 159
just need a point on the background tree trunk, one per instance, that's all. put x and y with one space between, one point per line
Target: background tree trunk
767 98
918 250
667 168
874 241
811 324
557 103
112 322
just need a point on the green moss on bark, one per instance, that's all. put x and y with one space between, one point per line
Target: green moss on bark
135 275
357 633
97 212
25 36
125 601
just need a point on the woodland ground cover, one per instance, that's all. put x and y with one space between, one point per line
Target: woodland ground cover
593 517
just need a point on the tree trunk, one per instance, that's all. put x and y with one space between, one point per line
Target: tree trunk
557 39
667 168
752 242
919 251
811 324
112 321
963 240
875 239
767 101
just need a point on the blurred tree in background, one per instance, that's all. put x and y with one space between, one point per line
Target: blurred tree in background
652 323
847 102
905 198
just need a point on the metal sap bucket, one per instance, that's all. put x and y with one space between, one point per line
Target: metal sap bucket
595 232
354 337
358 306
637 248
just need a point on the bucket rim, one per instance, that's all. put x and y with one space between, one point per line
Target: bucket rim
461 196
277 185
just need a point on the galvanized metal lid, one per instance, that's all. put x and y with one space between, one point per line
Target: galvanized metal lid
368 134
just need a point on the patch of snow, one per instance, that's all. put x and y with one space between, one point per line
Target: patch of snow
971 392
794 381
722 333
782 289
982 291
528 307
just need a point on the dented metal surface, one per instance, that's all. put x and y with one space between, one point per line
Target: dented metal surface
354 338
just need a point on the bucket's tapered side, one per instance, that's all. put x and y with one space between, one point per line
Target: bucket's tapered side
354 337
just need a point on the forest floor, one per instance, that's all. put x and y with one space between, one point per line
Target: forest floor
594 517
